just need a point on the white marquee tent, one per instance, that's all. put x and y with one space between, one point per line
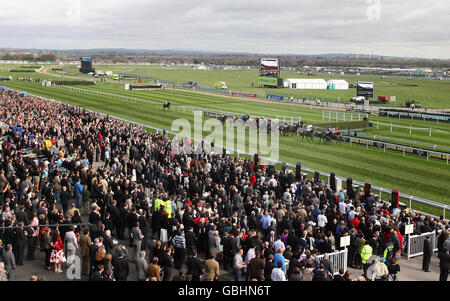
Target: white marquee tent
338 84
305 83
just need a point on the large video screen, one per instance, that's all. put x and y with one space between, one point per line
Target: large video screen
86 62
269 64
364 89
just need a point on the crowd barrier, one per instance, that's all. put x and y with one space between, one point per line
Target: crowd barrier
405 149
338 260
415 243
343 116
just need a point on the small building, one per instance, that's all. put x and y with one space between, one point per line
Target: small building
337 84
305 83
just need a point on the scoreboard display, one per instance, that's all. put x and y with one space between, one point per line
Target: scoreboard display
86 65
269 67
269 73
86 62
364 89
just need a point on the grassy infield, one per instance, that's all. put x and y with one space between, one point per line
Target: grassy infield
410 174
431 93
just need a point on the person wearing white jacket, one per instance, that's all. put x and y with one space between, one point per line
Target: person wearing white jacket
380 271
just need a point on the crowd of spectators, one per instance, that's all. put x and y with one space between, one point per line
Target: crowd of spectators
78 182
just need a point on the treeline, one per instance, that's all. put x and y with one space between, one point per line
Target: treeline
8 56
233 59
21 70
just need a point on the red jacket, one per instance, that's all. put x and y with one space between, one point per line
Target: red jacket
355 223
57 245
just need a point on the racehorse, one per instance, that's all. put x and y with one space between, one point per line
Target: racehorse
285 129
166 105
222 119
337 136
325 137
309 135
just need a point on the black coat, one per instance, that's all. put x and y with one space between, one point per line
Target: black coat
21 239
427 249
121 268
194 266
191 240
444 261
268 267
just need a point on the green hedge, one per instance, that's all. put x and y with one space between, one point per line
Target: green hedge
20 70
73 82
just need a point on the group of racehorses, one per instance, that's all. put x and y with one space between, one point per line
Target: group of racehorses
296 129
286 129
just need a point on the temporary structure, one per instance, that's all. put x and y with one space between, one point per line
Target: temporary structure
305 83
337 84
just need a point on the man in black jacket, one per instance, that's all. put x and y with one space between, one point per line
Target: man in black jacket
268 267
21 242
123 213
194 266
65 199
191 241
427 253
115 216
121 267
21 216
227 251
444 264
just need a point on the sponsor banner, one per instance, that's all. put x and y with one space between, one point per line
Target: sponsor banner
243 94
276 97
415 114
268 81
399 148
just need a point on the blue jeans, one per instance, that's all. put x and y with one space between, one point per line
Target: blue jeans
78 198
57 195
238 274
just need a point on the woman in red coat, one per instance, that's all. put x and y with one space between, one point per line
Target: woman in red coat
57 256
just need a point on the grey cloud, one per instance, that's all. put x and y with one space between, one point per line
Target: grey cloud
407 28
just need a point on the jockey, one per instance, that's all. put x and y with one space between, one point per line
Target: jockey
309 128
333 130
166 103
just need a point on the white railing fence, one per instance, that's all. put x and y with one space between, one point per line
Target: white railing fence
343 116
338 260
415 243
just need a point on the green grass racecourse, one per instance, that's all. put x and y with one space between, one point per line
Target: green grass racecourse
431 93
410 174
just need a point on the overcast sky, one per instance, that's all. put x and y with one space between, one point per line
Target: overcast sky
387 27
